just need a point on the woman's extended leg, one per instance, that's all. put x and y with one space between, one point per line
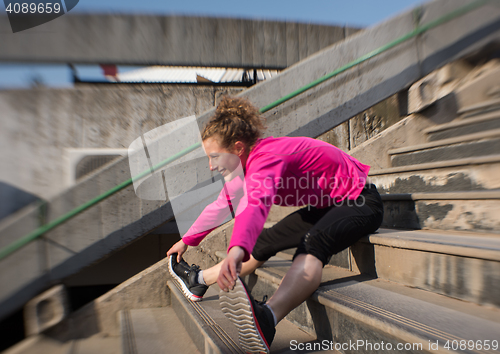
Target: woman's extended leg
301 280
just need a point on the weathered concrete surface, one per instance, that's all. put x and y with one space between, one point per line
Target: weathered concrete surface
11 227
91 236
167 40
18 199
155 331
338 136
46 310
482 85
409 131
38 125
367 124
464 266
375 120
436 85
480 108
147 289
470 175
124 264
471 145
461 211
463 215
209 335
406 132
95 327
42 344
476 124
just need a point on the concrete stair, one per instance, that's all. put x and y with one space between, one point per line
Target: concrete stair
462 265
451 182
349 306
486 121
481 107
154 330
193 327
470 145
45 345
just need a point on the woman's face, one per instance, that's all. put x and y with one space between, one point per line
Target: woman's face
220 159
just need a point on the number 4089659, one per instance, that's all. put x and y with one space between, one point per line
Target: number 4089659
32 8
471 345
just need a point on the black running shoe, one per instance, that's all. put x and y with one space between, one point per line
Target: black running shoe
254 321
187 277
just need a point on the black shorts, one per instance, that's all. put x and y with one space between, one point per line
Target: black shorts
323 232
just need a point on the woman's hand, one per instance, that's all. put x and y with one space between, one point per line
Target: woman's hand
231 268
179 248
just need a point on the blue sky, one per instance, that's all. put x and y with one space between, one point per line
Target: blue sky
361 13
351 12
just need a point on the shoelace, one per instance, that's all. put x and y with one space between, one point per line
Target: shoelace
263 302
194 267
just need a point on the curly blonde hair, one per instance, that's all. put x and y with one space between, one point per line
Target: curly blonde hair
235 119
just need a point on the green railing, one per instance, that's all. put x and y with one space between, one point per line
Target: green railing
417 31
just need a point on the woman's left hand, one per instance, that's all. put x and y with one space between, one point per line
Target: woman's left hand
231 268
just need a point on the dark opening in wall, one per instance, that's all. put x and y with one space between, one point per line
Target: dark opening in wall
12 330
79 296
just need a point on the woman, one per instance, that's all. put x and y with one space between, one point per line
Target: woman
341 208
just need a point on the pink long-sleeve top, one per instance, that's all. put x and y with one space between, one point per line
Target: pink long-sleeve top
286 171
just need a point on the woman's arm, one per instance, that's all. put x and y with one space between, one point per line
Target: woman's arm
216 213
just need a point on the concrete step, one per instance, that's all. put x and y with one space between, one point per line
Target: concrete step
480 108
212 332
154 331
349 307
42 344
470 145
463 265
462 211
469 174
460 127
209 335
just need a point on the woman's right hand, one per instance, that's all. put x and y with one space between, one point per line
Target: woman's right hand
179 248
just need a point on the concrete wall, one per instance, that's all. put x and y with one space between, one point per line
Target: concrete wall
40 124
367 124
36 126
17 199
167 40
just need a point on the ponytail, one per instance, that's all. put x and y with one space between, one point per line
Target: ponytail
235 119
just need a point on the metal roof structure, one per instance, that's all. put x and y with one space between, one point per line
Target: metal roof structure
185 74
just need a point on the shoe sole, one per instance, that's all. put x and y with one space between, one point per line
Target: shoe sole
237 307
185 290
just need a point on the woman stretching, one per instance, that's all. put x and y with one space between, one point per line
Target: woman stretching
341 206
